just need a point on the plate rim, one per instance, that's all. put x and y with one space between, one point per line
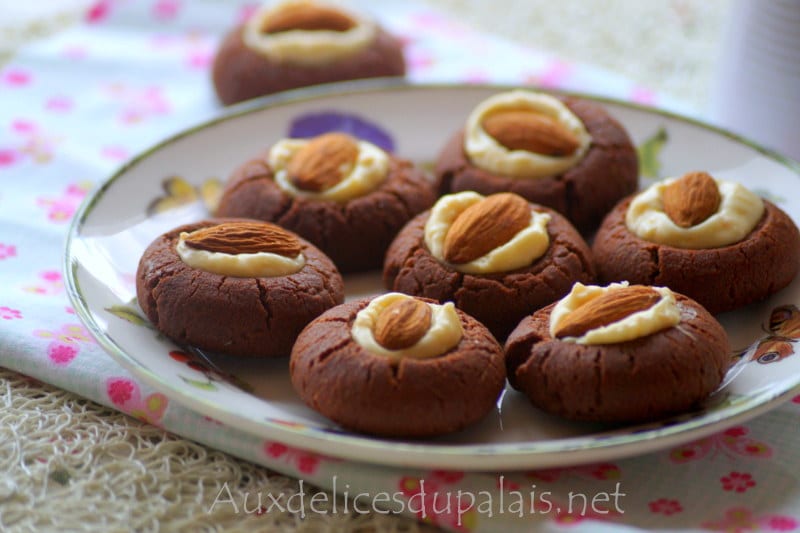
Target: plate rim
366 449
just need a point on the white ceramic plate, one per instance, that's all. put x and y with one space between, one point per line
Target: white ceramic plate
164 187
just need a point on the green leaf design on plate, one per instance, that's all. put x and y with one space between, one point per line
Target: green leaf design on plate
649 153
768 195
128 313
204 385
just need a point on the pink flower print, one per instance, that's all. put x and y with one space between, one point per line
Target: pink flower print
6 313
780 523
61 354
436 504
553 76
24 126
731 442
34 143
642 95
665 506
138 104
121 391
51 284
200 59
8 157
69 333
98 12
15 78
58 104
741 519
61 208
166 9
305 462
125 394
737 482
7 251
114 152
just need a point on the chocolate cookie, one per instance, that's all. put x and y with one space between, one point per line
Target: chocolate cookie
663 372
588 162
500 298
354 232
298 44
252 288
340 367
721 278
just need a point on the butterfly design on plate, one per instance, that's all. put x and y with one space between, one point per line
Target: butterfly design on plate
179 192
783 332
731 442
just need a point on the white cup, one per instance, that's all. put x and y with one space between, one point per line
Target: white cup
757 90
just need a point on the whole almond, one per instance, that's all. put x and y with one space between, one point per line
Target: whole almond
606 309
532 132
402 324
323 162
691 199
484 226
244 238
306 16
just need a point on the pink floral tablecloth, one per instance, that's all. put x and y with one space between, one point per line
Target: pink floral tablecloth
77 104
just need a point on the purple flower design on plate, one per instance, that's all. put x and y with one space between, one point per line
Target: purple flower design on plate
317 123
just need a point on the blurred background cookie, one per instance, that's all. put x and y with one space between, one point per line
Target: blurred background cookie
297 43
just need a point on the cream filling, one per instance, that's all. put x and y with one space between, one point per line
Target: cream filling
664 314
488 154
528 245
368 172
307 47
257 265
444 333
739 212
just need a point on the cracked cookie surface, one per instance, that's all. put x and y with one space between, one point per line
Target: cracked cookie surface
644 379
499 300
368 393
354 234
720 279
243 316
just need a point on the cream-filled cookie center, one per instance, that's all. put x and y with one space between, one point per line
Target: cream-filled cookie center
522 249
443 333
662 313
738 213
366 173
554 127
307 46
242 265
